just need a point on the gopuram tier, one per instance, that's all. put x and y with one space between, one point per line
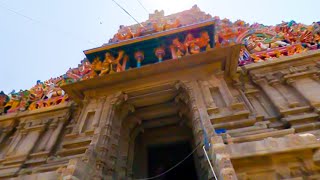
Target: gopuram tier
230 99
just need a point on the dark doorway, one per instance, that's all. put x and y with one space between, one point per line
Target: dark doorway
163 157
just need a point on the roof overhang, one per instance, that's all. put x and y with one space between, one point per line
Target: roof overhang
216 60
206 25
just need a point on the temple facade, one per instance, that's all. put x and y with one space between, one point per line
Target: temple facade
184 96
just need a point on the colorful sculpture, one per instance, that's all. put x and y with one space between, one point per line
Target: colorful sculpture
13 104
259 43
177 48
96 65
160 53
139 56
3 101
204 41
190 44
124 33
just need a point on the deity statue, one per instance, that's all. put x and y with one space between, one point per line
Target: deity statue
265 56
244 57
316 38
306 36
53 95
159 25
24 102
300 48
111 65
124 33
191 44
91 74
175 24
52 90
194 48
177 48
204 41
138 31
96 65
259 43
278 53
72 75
18 101
255 58
291 50
3 101
139 56
84 67
160 53
37 92
36 96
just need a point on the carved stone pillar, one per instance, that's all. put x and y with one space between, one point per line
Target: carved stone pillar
16 139
103 145
201 124
308 88
76 129
221 160
45 137
29 138
101 104
226 93
292 102
275 97
211 106
55 134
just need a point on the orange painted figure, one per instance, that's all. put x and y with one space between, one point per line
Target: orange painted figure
96 65
110 64
3 101
204 40
177 48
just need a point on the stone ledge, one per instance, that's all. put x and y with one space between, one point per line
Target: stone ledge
74 151
296 110
232 117
15 115
260 136
235 124
289 143
307 117
78 142
281 60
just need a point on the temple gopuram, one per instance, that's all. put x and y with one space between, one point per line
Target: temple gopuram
183 96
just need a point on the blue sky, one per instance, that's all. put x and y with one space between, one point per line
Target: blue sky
47 37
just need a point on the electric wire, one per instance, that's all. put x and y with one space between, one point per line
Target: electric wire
17 13
68 34
159 175
127 13
143 6
212 170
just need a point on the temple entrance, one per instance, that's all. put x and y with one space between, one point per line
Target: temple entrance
159 149
158 130
164 157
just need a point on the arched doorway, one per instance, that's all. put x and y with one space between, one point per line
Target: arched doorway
154 129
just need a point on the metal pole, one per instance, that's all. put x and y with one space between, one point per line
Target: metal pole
205 152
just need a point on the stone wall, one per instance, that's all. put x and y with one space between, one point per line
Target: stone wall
263 123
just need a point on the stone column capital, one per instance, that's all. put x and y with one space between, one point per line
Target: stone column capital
290 81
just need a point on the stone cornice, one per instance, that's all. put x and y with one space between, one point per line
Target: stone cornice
37 112
297 60
211 61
